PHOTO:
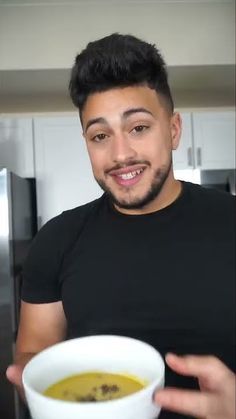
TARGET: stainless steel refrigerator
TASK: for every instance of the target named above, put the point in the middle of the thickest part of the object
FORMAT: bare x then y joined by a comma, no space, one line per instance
18,223
224,180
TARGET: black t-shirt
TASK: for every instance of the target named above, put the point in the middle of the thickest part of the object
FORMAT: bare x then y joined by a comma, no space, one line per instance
167,278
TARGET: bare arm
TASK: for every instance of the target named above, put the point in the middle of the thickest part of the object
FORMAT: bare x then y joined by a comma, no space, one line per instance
41,325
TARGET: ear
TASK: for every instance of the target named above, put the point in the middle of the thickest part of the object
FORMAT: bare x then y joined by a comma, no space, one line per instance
176,129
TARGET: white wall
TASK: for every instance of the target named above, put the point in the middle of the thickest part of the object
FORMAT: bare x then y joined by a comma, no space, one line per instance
49,36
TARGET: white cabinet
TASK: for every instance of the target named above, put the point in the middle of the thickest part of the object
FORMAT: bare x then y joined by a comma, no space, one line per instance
214,140
207,142
63,173
16,145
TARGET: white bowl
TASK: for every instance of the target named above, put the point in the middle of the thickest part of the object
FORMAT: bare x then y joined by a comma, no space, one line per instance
115,354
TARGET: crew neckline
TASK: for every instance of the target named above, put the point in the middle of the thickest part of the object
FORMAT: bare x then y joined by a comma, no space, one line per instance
163,211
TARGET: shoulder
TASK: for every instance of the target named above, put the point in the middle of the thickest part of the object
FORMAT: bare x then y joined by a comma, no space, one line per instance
65,227
47,252
211,204
74,217
209,196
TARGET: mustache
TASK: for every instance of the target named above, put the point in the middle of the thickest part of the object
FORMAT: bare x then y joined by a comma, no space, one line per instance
128,163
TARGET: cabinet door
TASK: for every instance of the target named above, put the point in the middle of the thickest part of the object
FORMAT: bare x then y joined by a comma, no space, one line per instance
214,140
16,145
183,156
63,173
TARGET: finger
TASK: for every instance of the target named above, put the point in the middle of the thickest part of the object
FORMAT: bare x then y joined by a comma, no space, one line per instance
207,368
183,401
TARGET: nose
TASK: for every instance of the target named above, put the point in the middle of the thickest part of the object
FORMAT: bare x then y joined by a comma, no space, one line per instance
121,149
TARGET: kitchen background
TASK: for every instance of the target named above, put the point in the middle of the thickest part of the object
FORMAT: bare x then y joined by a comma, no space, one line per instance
40,133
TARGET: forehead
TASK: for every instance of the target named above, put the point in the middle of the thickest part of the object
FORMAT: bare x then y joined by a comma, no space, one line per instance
117,101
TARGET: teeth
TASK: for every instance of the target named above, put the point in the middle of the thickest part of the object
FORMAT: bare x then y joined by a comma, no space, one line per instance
130,175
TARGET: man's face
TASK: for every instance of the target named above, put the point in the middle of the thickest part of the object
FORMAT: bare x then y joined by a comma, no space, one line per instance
130,135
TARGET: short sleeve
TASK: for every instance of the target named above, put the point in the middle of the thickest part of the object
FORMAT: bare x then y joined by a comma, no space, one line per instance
41,269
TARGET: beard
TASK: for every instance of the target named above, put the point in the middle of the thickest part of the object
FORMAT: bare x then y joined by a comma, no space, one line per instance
137,203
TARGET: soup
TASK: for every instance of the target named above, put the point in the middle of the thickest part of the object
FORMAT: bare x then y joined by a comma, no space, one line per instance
94,387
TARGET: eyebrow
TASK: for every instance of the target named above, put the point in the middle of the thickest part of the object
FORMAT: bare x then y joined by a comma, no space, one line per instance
125,115
95,121
132,111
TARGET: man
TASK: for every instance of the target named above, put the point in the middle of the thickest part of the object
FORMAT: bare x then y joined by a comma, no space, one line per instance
153,258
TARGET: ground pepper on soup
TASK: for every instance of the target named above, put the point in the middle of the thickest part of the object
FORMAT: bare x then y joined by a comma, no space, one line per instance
94,387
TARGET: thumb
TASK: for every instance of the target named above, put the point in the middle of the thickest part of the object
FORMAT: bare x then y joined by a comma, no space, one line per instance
14,374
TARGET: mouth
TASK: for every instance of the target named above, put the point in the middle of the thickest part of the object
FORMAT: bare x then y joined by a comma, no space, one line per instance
127,176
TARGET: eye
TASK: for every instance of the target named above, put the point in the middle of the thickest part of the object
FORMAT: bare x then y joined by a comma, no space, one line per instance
99,137
139,128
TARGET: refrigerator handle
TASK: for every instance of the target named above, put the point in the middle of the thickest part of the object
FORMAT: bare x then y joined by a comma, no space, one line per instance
199,156
190,156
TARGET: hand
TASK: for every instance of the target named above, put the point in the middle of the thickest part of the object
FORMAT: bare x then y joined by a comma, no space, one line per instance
216,400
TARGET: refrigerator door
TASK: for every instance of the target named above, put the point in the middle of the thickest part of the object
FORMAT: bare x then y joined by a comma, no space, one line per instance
7,396
17,228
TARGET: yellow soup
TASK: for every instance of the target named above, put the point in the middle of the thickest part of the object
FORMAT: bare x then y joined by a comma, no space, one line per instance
94,387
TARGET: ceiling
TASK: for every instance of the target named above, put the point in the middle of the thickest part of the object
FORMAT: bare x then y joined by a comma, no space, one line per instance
216,82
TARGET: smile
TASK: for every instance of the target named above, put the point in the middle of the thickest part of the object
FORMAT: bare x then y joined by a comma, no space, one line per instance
128,178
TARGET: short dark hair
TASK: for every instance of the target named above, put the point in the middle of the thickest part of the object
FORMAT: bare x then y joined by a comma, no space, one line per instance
118,61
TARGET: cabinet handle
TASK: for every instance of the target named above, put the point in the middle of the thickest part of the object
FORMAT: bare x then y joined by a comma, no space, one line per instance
199,156
190,156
